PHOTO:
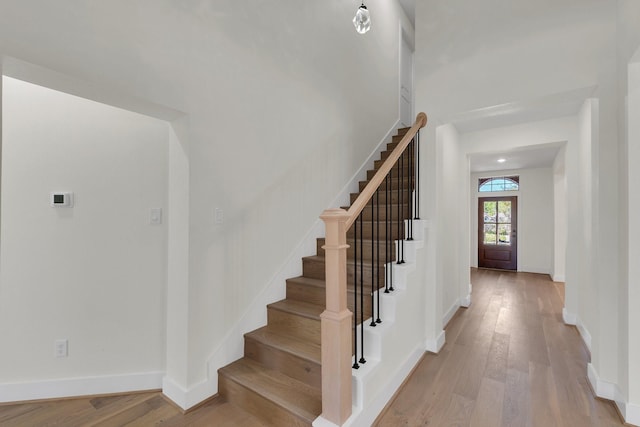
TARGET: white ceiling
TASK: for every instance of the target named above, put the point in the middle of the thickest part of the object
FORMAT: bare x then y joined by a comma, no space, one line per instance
538,156
513,113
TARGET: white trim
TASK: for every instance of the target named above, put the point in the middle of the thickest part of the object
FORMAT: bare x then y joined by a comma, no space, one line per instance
602,388
568,317
584,333
574,320
558,278
435,345
632,413
84,386
466,301
187,398
451,312
608,390
365,418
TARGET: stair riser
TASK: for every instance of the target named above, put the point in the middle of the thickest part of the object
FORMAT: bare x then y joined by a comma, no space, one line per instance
302,292
394,196
316,270
381,249
385,154
405,165
394,184
298,326
258,405
394,174
394,233
404,170
383,212
301,369
318,296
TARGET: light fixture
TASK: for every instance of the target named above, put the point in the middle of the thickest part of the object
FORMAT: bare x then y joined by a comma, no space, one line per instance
362,20
502,160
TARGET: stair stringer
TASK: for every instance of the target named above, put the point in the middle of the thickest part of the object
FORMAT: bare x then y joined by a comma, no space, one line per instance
395,346
255,316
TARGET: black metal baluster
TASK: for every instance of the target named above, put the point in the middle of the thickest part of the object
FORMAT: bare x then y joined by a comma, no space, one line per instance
410,192
373,270
417,160
399,202
362,360
390,242
401,210
377,258
387,231
355,294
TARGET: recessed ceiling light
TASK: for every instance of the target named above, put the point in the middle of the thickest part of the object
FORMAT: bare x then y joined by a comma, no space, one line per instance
502,160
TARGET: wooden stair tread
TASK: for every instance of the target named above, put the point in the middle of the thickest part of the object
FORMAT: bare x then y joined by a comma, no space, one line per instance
295,345
368,205
317,283
308,281
350,261
300,308
294,396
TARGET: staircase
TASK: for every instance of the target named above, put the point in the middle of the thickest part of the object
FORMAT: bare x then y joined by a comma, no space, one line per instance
279,378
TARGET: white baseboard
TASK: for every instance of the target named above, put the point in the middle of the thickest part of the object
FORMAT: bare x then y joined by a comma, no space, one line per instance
608,390
84,386
574,320
584,333
632,414
466,301
360,418
187,398
450,313
568,317
534,269
602,388
436,344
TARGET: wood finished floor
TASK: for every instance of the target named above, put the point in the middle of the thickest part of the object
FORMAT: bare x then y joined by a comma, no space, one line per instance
509,361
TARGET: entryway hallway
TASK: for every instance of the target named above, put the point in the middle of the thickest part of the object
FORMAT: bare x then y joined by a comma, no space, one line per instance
509,360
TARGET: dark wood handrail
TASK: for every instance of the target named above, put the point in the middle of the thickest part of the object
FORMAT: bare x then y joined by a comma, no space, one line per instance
365,195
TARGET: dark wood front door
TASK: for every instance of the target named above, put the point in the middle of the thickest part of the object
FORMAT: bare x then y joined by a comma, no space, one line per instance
497,232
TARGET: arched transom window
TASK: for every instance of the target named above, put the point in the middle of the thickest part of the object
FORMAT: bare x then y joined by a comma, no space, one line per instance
502,183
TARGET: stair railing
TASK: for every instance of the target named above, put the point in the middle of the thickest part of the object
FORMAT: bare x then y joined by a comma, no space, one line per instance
338,338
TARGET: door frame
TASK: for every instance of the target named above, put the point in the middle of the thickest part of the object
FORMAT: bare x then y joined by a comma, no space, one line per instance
514,231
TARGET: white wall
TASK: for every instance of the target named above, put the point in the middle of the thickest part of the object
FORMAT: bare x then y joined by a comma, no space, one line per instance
559,216
95,273
535,225
452,235
282,102
629,299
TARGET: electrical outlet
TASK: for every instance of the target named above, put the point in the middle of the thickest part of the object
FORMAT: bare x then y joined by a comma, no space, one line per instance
61,348
219,216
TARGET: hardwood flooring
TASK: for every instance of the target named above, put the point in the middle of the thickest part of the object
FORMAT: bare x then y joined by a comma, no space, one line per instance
509,361
140,409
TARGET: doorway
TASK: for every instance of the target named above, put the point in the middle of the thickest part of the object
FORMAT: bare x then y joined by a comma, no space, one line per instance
497,232
406,82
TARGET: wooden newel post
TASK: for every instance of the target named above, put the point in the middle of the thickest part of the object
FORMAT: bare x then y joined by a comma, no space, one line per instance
336,322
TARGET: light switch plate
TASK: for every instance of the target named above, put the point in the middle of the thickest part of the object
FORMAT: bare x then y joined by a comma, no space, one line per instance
155,216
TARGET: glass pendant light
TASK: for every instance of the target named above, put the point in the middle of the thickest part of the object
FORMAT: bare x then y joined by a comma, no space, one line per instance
362,20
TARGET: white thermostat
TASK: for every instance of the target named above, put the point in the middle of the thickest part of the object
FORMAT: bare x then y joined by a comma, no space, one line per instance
62,199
